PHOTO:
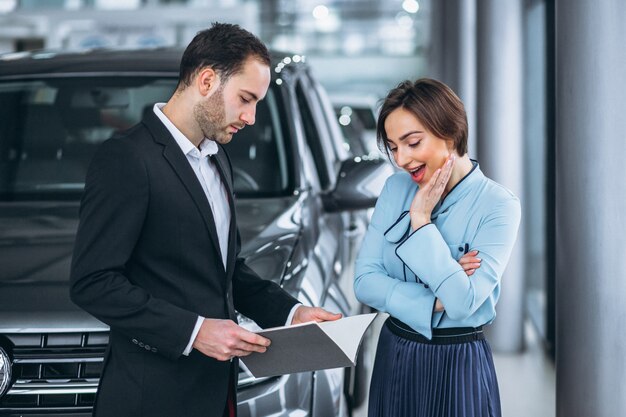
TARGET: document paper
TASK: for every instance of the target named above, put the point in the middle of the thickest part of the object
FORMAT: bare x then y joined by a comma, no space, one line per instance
310,346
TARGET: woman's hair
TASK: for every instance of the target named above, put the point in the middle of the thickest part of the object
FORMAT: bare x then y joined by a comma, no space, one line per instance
224,47
434,104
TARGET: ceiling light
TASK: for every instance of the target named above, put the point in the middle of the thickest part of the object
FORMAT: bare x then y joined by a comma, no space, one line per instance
7,6
410,6
404,20
320,12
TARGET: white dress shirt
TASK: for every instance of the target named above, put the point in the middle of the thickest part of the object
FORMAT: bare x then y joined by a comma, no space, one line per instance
215,192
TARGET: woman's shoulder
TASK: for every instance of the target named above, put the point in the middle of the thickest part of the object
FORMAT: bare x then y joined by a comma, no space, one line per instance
495,198
400,182
498,191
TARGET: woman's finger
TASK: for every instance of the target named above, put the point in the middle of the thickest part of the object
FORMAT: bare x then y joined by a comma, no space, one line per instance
469,259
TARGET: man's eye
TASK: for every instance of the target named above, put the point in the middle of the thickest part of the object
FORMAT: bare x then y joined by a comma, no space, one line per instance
244,100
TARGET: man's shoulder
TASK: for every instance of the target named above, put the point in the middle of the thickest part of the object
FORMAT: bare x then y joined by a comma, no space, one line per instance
138,131
134,137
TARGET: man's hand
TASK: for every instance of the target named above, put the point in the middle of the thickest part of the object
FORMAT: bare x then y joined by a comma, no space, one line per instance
223,340
305,314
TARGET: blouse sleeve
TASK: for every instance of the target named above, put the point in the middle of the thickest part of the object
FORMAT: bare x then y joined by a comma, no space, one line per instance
410,302
462,295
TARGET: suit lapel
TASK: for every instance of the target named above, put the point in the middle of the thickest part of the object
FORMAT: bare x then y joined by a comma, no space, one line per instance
223,166
177,159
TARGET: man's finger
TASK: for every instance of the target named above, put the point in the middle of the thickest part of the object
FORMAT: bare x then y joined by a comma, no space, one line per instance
248,348
253,338
323,315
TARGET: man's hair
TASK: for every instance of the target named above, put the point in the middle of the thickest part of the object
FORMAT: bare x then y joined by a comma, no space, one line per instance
224,47
434,104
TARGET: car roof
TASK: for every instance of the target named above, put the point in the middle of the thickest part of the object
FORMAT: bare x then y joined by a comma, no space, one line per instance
153,61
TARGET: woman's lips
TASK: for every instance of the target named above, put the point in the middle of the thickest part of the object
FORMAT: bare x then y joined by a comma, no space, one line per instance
418,175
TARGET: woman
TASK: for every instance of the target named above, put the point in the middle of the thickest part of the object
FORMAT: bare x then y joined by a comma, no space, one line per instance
433,256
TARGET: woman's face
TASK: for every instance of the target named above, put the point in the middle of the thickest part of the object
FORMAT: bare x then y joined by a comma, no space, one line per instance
415,149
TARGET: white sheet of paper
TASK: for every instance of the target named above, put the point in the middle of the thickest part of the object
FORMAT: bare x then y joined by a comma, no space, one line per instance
346,331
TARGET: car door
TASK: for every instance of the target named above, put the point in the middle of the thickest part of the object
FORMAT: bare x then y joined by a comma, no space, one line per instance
329,255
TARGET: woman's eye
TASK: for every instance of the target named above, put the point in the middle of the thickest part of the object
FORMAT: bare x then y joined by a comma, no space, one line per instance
394,150
414,144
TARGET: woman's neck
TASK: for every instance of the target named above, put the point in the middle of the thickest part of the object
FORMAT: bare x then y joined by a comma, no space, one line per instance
462,167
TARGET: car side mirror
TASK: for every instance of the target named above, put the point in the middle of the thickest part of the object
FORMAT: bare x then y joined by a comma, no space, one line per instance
359,183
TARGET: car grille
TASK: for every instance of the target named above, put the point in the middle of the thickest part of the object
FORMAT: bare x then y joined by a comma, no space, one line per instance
59,372
55,371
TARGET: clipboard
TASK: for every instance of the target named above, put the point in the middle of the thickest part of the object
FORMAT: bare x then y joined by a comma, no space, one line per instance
310,346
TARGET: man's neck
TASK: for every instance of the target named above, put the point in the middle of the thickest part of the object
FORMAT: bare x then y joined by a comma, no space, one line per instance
180,113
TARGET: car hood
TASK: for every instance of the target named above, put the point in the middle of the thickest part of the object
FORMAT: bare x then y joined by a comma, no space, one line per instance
36,241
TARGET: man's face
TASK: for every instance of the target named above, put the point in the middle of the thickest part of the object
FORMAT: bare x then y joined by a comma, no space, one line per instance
232,105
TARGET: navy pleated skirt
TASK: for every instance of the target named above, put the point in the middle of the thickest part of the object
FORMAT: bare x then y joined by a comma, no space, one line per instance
451,376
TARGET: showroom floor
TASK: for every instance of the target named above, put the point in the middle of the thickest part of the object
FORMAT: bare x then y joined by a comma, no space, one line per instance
527,380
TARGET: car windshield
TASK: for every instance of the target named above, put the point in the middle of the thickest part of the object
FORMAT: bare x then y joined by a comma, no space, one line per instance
50,128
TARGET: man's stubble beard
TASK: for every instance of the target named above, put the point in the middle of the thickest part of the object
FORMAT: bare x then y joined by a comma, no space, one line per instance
210,115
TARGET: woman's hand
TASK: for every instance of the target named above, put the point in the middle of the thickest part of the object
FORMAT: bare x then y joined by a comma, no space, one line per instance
470,262
429,195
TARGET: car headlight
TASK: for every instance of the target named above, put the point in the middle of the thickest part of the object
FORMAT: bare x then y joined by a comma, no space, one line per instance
5,371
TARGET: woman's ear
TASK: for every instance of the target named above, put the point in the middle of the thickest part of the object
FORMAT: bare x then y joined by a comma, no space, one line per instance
207,80
450,145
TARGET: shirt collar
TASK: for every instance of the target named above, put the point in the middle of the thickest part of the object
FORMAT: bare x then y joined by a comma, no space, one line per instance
466,185
207,147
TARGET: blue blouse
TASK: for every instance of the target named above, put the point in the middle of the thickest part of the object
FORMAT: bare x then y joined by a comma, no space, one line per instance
402,272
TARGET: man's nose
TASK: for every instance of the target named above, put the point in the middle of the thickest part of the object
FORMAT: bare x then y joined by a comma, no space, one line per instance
248,117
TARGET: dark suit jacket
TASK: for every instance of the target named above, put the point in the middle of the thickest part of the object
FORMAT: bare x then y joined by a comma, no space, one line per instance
146,262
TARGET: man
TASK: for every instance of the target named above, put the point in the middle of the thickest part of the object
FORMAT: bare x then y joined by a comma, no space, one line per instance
156,255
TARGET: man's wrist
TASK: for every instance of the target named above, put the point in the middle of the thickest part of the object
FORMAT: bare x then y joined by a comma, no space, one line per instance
194,334
292,313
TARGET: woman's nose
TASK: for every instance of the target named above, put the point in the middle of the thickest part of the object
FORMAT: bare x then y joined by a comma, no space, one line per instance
402,157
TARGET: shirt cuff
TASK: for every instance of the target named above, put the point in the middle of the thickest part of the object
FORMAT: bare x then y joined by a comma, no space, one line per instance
291,314
196,329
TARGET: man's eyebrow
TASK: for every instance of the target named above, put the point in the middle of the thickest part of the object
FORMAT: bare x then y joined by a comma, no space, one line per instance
254,96
406,135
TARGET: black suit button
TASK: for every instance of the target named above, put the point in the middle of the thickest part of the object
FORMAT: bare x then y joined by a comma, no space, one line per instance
141,344
147,347
134,341
154,350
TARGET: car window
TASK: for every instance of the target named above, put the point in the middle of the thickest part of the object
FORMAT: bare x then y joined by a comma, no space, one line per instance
367,116
330,121
259,153
352,130
50,129
315,138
